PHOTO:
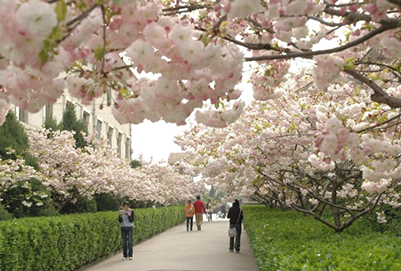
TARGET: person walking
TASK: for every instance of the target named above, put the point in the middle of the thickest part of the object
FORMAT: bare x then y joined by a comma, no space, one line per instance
236,216
199,209
126,218
224,210
209,209
189,213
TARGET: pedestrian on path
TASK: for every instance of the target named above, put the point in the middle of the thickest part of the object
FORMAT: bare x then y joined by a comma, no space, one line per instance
126,218
199,209
224,210
236,216
189,212
209,209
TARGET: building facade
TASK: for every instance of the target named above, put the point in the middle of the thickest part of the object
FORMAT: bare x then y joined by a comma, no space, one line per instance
98,120
176,157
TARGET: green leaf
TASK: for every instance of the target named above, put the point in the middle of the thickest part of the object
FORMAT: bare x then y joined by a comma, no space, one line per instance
349,67
99,53
43,56
206,39
349,60
61,10
124,91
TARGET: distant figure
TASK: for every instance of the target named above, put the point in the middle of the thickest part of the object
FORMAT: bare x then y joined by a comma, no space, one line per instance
236,216
126,218
209,209
199,207
223,210
189,213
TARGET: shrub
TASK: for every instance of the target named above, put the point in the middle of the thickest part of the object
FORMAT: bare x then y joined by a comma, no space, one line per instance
83,205
285,240
33,190
393,217
13,136
68,242
4,214
70,122
107,202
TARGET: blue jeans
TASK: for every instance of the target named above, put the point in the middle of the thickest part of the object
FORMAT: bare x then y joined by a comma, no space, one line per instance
127,233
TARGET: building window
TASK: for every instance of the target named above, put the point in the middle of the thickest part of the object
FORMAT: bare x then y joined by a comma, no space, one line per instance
99,128
49,111
86,117
110,136
119,138
128,149
23,115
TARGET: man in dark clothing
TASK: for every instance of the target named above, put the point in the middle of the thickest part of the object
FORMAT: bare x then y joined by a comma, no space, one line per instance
236,216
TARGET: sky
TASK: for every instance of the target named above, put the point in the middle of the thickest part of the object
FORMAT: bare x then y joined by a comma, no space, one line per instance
155,140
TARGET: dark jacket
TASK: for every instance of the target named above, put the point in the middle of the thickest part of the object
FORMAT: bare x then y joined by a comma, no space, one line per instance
233,214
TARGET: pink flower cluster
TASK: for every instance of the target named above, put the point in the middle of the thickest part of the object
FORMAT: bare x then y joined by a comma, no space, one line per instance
98,169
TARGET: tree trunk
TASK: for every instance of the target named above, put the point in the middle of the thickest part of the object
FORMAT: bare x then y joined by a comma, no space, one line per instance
336,211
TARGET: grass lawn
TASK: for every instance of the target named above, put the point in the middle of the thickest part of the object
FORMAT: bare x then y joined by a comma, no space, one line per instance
289,241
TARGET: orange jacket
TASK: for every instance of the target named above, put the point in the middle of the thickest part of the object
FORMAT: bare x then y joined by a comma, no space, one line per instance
189,210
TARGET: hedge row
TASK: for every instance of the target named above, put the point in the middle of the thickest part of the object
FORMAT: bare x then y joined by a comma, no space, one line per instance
285,240
71,241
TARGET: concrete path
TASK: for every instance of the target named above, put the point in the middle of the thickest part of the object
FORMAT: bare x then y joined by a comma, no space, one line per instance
179,250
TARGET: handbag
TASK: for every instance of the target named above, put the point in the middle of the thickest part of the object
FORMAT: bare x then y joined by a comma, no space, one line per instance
232,232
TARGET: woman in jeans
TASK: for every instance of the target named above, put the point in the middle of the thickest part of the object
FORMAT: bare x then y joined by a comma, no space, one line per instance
126,219
236,216
189,213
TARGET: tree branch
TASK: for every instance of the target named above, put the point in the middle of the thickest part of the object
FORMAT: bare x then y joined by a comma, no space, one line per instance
183,9
320,20
315,216
104,37
251,46
217,25
394,71
82,16
310,54
122,67
377,126
355,17
395,2
379,95
342,5
76,21
367,210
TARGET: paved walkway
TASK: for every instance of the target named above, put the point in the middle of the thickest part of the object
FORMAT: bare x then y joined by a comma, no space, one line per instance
179,250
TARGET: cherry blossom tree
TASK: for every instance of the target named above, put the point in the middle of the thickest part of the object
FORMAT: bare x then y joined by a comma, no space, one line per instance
72,172
168,186
15,171
15,174
46,41
346,93
194,48
298,152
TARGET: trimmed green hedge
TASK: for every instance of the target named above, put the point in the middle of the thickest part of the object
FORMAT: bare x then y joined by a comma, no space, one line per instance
69,242
286,240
